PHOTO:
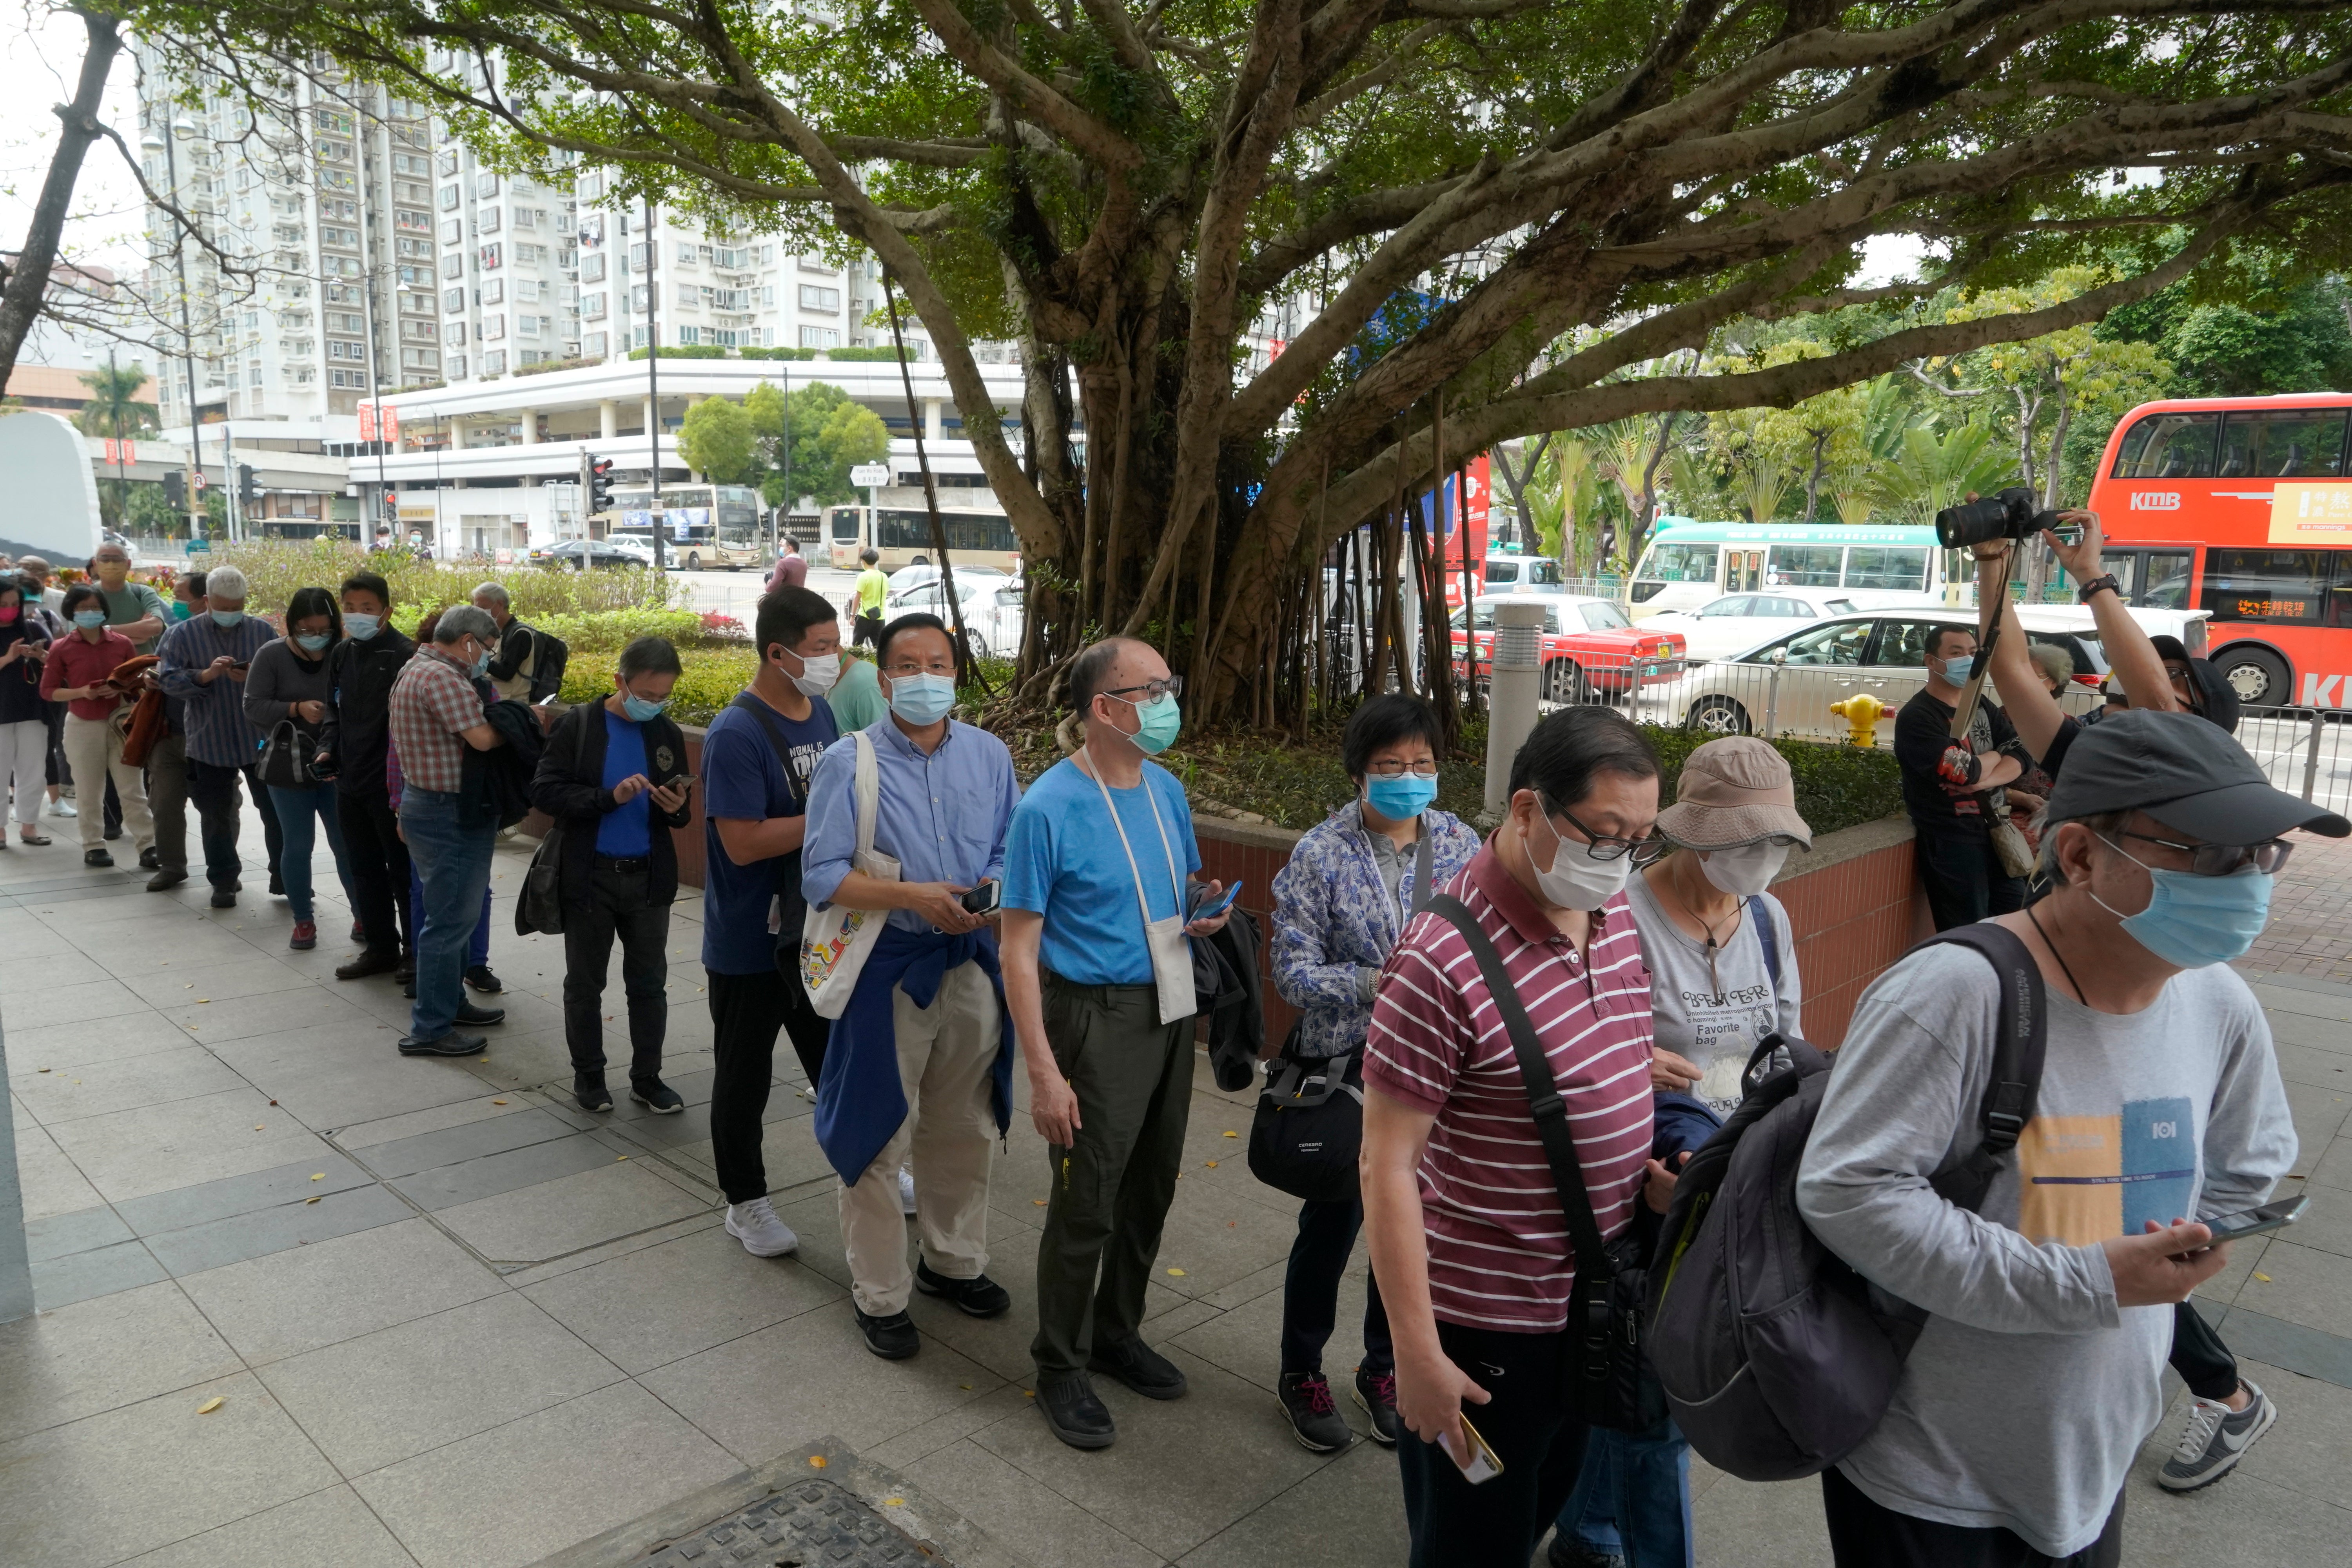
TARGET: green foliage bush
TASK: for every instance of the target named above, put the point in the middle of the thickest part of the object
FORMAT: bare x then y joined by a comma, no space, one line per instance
610,631
1837,785
275,568
713,675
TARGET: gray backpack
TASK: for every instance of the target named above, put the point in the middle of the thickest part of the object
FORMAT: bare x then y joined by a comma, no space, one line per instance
1777,1358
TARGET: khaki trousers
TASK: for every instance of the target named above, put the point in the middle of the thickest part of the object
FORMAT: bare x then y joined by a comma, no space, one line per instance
94,752
945,1054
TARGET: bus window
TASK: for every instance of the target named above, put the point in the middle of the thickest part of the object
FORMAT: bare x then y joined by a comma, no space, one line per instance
2287,443
2168,447
1899,571
1676,563
845,525
2163,581
2276,587
1805,565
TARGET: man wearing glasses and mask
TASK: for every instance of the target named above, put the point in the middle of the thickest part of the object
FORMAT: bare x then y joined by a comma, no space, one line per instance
1097,890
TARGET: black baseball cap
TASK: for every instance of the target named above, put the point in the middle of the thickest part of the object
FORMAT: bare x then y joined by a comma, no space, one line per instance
2185,773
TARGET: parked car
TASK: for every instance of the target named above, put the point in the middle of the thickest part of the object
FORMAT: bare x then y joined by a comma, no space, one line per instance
1785,684
580,555
1738,621
1589,647
1523,574
991,609
907,579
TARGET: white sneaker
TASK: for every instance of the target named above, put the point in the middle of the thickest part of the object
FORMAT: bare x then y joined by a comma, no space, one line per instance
906,1190
62,808
755,1225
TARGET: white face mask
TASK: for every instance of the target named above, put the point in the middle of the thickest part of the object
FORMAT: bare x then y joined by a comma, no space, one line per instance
1747,870
1576,880
818,674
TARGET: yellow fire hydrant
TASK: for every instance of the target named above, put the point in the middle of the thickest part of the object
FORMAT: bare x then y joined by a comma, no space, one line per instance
1862,713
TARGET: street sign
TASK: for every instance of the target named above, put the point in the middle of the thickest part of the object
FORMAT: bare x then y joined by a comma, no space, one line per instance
867,476
199,481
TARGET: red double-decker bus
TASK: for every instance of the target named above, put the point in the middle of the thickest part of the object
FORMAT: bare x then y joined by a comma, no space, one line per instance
2241,506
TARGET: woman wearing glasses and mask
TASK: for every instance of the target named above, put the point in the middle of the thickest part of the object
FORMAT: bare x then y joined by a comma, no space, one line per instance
1723,975
1468,1231
1338,905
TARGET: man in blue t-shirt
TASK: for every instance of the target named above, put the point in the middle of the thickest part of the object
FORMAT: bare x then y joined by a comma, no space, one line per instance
756,760
1099,979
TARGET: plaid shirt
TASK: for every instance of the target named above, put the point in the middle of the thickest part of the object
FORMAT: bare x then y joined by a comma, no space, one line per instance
432,700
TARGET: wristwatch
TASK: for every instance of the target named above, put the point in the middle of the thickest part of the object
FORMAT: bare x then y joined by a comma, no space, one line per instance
2105,580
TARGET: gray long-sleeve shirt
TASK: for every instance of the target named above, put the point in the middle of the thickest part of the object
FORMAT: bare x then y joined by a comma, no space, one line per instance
280,678
2030,1391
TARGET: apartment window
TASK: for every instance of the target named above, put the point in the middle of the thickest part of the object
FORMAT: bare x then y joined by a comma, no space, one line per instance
689,334
453,231
411,163
767,293
339,180
453,300
492,257
767,256
820,338
410,191
532,326
335,152
592,306
420,276
637,256
591,184
592,269
453,265
454,333
447,160
455,366
345,266
686,254
596,345
489,220
493,292
357,378
332,119
421,223
527,290
406,246
450,196
530,255
827,301
486,184
493,327
638,297
729,298
346,321
494,361
566,257
529,217
563,223
422,329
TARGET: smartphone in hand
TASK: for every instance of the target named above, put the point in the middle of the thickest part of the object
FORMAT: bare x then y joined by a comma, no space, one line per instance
1480,1465
1211,908
982,899
2243,1223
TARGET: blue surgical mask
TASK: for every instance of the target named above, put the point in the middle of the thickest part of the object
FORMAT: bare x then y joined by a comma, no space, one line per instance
2197,921
1957,670
1161,719
226,619
481,663
1406,795
638,711
922,698
311,642
360,627
179,608
89,620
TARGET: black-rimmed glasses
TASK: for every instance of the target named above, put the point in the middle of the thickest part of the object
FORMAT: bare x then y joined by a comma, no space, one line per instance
2224,859
1390,768
1153,690
1645,851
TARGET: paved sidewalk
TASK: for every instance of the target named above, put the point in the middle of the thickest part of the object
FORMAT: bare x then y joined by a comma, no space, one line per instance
454,1321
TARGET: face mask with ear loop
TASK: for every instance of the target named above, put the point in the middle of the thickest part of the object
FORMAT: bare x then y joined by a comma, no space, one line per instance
2193,921
1576,880
1744,869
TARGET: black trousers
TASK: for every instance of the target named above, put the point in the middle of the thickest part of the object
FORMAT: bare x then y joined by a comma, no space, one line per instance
746,1011
865,630
1862,1534
1527,1423
379,866
615,905
1963,877
218,811
1311,1291
2201,1358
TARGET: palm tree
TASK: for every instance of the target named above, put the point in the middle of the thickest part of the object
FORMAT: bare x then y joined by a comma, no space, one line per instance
112,409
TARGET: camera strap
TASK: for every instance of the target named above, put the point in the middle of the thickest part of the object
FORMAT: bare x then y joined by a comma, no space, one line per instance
1992,596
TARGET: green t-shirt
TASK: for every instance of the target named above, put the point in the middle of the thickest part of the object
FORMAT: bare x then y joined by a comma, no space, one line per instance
873,589
857,698
136,602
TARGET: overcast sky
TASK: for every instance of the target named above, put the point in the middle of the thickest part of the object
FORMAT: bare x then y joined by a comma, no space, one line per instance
40,61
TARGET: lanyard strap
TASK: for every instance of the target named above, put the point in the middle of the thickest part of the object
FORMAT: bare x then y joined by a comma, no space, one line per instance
1142,907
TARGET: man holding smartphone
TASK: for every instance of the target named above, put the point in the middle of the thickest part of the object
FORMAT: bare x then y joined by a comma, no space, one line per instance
921,1060
2159,1101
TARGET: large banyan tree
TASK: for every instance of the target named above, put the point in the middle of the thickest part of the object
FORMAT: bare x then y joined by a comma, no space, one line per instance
1477,217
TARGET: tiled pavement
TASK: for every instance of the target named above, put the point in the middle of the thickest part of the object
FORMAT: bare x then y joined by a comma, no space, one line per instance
2310,931
453,1321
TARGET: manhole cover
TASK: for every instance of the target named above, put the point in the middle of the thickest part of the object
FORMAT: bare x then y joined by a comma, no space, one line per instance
811,1523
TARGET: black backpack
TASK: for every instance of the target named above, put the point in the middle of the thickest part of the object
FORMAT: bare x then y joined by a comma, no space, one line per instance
548,654
1776,1360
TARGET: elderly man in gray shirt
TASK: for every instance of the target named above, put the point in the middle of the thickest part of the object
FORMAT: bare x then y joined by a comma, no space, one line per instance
205,662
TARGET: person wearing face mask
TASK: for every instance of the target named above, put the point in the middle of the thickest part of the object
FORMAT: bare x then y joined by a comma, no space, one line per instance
1099,865
1953,790
615,777
206,660
919,1063
756,759
78,673
1351,884
361,669
856,699
167,759
287,683
435,716
2158,1102
24,718
1468,1232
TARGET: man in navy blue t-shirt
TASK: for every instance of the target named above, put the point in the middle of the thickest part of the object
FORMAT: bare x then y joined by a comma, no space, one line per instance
756,758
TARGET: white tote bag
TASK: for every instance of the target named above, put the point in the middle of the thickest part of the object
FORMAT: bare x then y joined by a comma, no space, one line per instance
835,939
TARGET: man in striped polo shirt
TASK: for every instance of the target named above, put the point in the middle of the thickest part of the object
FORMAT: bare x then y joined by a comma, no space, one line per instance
1467,1237
205,662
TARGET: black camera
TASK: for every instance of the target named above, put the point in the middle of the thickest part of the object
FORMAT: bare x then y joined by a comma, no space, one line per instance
2009,514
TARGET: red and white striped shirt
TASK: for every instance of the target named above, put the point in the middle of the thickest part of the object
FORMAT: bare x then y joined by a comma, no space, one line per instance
1498,1251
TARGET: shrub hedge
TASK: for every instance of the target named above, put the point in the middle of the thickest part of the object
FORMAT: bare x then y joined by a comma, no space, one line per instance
277,567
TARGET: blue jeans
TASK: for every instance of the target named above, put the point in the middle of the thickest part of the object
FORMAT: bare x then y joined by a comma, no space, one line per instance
454,861
1633,1497
299,812
478,946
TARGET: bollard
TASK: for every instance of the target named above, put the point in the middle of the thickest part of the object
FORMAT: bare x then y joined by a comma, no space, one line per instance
1518,673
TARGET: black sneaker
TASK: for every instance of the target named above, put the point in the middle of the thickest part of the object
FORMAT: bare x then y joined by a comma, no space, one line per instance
1376,1392
1076,1416
165,879
656,1097
277,885
406,969
151,858
480,978
1139,1367
480,1017
1315,1421
894,1338
224,898
98,858
978,1296
1565,1554
452,1044
591,1094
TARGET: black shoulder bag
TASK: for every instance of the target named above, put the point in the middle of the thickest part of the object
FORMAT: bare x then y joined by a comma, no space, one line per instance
1604,1380
1308,1126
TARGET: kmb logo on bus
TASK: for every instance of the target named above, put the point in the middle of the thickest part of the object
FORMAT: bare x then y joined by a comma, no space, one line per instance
2320,692
2156,500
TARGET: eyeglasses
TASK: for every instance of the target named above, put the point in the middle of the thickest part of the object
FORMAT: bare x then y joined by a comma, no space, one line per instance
1390,768
2222,859
1645,851
1154,690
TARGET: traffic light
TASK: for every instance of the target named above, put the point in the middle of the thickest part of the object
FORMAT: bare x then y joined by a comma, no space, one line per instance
176,490
600,485
248,492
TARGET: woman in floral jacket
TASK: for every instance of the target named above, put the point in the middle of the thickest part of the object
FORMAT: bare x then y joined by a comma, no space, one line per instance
1338,907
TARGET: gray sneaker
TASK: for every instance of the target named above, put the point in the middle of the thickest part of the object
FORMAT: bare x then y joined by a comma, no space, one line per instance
2217,1439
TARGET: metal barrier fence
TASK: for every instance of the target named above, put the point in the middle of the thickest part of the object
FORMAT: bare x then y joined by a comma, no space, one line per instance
2306,751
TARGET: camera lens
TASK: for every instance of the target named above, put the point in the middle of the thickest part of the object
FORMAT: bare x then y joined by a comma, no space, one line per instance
1973,522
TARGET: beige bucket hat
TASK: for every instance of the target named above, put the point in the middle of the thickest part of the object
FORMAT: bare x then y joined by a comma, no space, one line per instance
1734,791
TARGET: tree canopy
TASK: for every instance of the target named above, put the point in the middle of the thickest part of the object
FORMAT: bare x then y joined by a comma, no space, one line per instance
1423,199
